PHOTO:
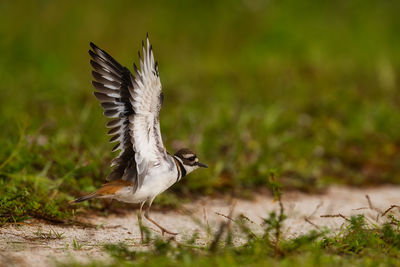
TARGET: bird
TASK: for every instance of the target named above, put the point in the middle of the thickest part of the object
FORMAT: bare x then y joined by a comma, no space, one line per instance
143,168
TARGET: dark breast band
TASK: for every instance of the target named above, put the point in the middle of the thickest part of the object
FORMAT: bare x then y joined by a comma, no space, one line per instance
180,168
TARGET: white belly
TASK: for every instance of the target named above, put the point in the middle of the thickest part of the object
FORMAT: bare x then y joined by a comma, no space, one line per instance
154,183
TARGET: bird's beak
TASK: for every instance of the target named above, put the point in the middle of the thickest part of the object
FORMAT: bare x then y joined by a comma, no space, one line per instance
201,165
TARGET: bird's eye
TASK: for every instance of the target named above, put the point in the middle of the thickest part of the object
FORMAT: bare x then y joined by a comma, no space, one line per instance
192,158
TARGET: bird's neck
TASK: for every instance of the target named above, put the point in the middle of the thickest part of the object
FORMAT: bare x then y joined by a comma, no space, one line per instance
179,166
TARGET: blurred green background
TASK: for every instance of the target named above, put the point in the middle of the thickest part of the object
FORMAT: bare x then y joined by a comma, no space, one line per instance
306,89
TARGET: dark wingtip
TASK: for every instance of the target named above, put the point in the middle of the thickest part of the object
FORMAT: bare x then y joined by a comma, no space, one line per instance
93,55
95,75
92,45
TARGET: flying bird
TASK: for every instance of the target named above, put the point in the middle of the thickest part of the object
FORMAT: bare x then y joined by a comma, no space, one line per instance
143,168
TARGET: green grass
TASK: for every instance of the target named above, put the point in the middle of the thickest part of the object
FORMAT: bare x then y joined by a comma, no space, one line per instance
359,243
309,90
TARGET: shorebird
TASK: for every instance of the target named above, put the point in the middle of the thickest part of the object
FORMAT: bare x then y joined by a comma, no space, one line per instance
143,169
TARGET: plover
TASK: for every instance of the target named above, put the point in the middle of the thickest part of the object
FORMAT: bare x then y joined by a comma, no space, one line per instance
143,169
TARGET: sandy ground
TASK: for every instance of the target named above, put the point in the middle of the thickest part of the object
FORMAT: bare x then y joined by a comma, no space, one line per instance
38,244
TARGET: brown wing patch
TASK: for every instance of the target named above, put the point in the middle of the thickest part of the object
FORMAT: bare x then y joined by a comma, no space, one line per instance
105,190
112,187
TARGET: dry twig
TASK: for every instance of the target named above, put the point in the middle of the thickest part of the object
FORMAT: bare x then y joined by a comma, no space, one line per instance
335,216
389,209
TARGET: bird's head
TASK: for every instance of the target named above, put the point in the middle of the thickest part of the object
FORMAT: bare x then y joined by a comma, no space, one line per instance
189,160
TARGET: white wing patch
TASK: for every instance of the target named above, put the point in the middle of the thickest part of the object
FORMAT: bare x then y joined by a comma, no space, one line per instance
147,86
146,100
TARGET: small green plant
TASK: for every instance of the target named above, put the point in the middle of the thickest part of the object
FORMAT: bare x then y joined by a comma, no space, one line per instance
57,235
51,234
76,244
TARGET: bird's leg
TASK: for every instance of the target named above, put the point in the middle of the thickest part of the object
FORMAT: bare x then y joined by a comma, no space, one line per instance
140,220
147,216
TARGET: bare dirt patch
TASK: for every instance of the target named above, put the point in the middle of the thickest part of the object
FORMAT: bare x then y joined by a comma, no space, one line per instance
38,244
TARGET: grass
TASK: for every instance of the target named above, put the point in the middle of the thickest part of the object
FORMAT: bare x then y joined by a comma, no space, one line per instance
52,234
358,243
309,90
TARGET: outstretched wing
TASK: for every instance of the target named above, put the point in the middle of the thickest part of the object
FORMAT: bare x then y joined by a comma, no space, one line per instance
144,124
134,104
113,83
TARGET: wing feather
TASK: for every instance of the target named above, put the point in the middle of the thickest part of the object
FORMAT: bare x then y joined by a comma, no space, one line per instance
112,82
134,103
146,100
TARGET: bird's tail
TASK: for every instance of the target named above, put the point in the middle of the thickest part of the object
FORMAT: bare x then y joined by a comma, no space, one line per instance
106,191
83,198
